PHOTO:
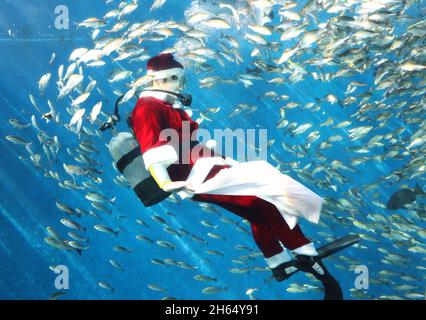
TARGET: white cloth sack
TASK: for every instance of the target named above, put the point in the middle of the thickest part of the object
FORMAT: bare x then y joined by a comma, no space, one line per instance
261,179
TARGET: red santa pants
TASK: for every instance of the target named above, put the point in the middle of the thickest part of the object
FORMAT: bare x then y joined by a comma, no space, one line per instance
267,224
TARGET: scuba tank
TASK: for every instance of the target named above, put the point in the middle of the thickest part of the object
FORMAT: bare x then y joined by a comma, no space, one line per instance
127,156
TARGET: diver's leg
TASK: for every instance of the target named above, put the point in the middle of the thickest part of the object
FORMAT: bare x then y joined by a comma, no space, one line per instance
245,207
293,239
273,252
302,247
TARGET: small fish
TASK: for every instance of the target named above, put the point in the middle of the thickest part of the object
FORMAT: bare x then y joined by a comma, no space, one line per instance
301,129
141,222
198,239
415,295
208,224
56,243
197,17
155,287
216,23
215,252
80,99
105,285
157,4
18,125
96,197
128,9
92,23
121,249
171,231
76,236
105,229
56,295
72,224
417,249
33,102
158,219
412,66
116,265
128,95
186,266
266,31
240,270
215,236
77,116
405,287
99,206
165,244
74,170
18,140
296,290
213,290
73,81
242,247
52,58
53,233
157,261
43,82
171,262
67,209
120,75
76,245
250,292
200,277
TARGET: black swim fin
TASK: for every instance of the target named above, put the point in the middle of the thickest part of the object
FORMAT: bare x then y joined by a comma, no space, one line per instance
315,266
337,245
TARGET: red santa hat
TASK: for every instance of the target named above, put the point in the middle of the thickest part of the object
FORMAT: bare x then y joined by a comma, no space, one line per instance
164,66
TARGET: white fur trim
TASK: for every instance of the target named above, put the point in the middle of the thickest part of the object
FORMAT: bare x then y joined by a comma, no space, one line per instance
165,154
163,74
200,170
231,162
306,250
163,96
278,259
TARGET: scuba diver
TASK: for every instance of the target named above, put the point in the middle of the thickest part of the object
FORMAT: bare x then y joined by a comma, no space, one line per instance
256,191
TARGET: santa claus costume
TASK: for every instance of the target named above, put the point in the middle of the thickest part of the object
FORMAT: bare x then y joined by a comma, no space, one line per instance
256,191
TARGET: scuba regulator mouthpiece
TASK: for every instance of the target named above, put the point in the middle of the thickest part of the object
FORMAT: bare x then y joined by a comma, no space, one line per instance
112,121
185,99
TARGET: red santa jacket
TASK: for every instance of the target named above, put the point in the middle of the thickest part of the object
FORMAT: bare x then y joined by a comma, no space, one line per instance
151,115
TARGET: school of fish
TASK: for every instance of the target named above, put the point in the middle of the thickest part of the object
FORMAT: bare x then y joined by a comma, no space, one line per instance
316,42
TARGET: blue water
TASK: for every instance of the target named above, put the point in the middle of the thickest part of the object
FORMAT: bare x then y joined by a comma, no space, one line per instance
28,39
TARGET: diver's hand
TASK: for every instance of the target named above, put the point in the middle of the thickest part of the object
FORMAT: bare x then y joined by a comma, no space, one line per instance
176,186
